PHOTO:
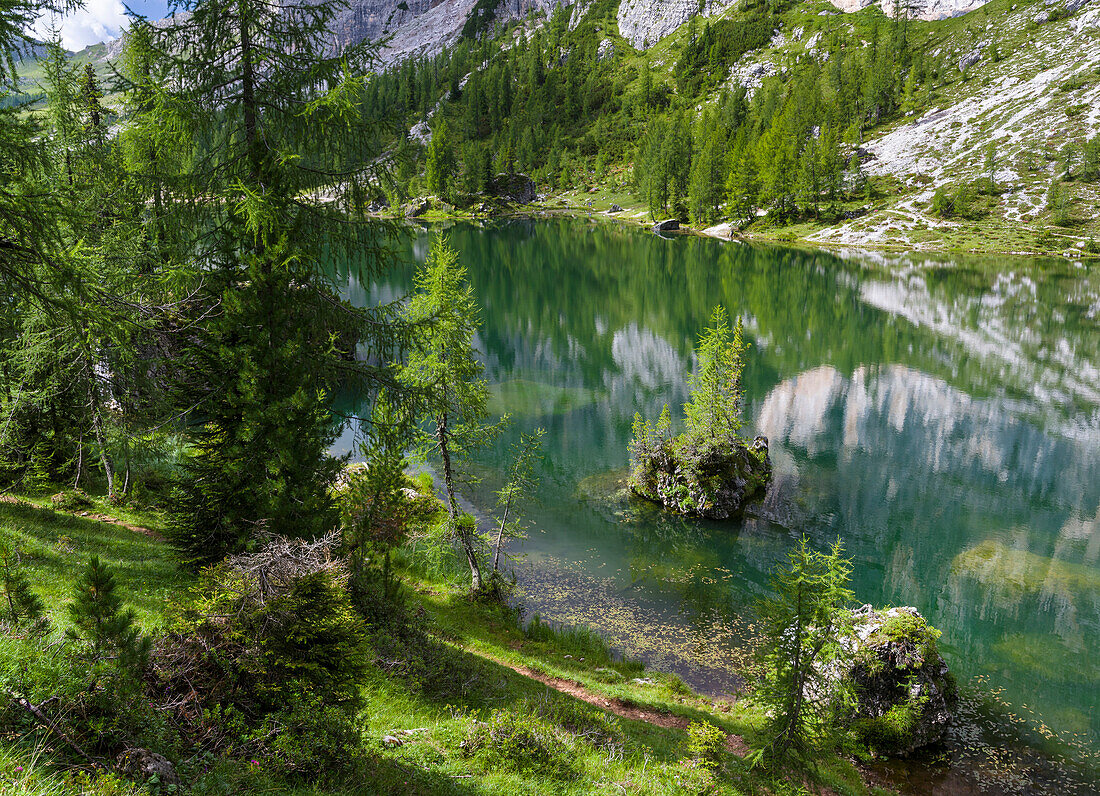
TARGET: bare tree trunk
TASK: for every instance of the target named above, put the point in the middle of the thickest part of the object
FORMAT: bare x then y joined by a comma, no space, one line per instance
452,502
445,455
79,461
500,534
101,440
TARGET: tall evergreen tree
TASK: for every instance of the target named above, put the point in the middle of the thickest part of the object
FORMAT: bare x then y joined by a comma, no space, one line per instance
441,161
257,119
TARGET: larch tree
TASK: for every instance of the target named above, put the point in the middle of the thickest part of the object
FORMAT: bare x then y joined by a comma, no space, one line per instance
444,370
803,621
713,412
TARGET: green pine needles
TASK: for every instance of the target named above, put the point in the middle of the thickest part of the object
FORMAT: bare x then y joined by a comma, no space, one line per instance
102,623
713,414
714,411
707,470
803,624
443,369
20,605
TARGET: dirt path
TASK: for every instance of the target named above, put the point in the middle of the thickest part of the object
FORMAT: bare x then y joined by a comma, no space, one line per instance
86,515
620,707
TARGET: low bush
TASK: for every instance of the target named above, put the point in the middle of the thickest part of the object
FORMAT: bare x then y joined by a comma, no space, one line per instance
521,742
706,744
71,500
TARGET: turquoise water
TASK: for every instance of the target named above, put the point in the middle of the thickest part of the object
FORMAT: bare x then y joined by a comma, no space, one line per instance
939,414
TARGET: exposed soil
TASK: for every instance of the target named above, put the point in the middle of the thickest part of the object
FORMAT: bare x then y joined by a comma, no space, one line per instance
620,707
86,515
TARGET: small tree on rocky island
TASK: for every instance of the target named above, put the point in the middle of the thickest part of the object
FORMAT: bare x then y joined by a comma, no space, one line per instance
803,625
708,470
714,411
443,369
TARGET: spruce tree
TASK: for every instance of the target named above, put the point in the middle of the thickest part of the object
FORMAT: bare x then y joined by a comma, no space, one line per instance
440,164
708,180
256,121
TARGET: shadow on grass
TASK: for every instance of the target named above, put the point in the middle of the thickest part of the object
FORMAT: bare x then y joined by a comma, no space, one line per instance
55,548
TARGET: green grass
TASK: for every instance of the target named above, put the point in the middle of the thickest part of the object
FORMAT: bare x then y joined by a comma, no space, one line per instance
479,727
55,547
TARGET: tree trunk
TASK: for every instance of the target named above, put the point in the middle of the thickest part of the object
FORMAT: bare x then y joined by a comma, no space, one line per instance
101,440
500,534
452,501
79,461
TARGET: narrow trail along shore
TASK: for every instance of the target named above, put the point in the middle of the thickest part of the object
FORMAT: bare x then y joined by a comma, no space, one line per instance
85,515
620,707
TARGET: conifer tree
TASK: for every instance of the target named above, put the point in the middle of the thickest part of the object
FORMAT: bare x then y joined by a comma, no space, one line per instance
22,605
444,370
517,489
743,186
713,412
708,181
804,621
256,120
100,620
440,163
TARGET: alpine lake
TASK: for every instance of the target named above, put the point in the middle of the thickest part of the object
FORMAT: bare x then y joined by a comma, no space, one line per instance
940,414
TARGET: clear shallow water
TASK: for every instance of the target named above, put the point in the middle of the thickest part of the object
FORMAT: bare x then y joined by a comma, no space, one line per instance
941,415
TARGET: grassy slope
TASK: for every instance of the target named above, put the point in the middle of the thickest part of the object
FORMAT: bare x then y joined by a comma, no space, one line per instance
485,648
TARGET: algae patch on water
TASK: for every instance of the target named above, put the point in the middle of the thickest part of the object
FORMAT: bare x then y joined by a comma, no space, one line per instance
528,398
997,565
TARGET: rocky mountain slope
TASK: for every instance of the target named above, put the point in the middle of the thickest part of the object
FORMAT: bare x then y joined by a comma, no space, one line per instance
1024,84
423,27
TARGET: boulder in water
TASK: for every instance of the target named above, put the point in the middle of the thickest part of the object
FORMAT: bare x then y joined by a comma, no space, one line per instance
904,692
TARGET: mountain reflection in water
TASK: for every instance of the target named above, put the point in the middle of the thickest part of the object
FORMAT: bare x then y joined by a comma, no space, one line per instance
940,415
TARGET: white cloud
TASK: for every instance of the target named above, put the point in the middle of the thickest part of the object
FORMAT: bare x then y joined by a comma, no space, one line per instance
96,21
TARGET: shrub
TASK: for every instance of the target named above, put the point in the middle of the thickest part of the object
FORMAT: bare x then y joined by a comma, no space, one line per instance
706,743
521,742
264,626
309,737
71,500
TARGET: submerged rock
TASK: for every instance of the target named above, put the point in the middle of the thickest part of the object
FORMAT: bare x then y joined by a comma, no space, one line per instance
713,482
904,692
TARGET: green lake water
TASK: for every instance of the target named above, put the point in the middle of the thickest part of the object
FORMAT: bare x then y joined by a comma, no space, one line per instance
940,414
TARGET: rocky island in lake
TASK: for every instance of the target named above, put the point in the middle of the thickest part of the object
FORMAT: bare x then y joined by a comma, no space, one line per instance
709,470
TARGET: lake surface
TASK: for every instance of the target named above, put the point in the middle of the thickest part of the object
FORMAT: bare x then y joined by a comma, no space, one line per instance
939,414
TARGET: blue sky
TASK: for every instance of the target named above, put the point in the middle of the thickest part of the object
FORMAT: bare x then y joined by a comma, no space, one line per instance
98,20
